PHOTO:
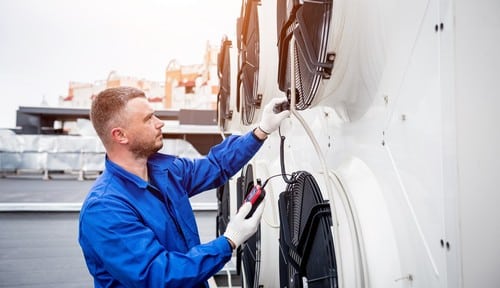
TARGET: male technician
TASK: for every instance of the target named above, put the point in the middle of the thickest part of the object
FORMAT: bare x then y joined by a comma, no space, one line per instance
137,227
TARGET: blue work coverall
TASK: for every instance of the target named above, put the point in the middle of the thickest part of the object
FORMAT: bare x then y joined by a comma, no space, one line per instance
132,239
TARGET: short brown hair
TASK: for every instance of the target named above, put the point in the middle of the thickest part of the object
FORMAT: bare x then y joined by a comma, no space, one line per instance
107,107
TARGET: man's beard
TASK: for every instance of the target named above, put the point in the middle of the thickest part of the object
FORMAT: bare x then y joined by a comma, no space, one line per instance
144,149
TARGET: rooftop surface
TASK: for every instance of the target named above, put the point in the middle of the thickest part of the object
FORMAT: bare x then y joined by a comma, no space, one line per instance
39,235
61,188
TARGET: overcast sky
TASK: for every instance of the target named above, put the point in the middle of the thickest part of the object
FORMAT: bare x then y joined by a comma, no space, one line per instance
45,44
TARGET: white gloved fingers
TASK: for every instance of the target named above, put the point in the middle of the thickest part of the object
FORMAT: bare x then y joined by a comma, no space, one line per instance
243,211
275,101
239,229
270,121
283,115
257,215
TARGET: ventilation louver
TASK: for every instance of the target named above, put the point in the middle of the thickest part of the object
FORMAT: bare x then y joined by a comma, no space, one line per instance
307,256
308,22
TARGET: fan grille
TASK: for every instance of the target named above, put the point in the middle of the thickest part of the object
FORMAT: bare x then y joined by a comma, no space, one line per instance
223,212
309,23
224,72
249,46
308,255
249,252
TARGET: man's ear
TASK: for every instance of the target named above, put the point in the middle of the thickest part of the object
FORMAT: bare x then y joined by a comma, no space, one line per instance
119,135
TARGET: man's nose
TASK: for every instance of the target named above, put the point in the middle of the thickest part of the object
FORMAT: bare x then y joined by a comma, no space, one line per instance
159,123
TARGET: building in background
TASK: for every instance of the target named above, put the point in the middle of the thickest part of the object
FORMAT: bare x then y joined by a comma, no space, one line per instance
80,95
193,86
186,101
185,87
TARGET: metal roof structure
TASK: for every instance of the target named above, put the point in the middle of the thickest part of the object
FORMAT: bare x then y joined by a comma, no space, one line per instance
196,126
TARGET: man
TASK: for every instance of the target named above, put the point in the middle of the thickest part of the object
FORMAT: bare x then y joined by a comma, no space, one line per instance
137,227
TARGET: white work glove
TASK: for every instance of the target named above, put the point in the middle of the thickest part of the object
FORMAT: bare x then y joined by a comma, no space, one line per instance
270,121
239,229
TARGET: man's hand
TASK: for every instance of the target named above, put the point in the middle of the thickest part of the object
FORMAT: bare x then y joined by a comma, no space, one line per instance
239,229
270,121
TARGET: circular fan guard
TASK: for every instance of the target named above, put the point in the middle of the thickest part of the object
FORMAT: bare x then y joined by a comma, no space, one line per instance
249,253
248,47
309,23
224,72
307,255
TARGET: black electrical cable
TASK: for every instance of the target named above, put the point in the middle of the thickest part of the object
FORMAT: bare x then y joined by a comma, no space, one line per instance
282,159
271,177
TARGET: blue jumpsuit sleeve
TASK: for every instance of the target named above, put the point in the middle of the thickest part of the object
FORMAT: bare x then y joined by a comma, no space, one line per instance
223,161
130,252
